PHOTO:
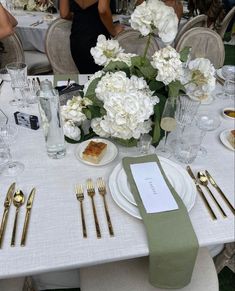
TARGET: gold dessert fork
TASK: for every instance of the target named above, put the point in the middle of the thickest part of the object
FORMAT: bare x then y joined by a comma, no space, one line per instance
80,198
91,193
102,190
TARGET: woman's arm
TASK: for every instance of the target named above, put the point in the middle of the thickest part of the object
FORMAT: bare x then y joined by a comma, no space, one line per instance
65,12
106,18
7,22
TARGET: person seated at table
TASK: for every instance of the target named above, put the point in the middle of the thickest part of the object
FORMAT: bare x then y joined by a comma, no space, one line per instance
90,18
7,23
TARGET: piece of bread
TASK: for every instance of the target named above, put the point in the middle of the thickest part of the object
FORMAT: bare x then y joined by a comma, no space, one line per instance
231,138
94,152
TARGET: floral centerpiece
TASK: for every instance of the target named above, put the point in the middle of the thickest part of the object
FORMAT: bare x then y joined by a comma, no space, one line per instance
33,5
126,98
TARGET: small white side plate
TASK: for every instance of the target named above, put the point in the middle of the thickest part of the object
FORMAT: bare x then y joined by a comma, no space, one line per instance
227,116
224,139
109,156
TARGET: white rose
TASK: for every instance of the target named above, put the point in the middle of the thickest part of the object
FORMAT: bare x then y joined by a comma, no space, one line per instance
71,130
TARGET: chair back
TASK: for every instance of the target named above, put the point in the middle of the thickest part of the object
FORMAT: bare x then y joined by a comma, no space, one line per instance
197,21
13,50
204,43
132,42
224,24
58,47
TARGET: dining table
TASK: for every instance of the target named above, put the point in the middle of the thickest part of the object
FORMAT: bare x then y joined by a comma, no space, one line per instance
55,239
32,28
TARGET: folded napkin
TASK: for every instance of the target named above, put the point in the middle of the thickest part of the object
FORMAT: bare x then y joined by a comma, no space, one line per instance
172,242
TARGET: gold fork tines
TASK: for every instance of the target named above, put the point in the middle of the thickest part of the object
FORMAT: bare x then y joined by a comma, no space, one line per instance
80,198
91,193
102,190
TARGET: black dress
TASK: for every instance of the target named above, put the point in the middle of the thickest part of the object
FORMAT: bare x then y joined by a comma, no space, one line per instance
86,28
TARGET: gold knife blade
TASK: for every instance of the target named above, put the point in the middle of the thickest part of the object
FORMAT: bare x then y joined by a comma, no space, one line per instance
27,216
214,184
211,212
7,204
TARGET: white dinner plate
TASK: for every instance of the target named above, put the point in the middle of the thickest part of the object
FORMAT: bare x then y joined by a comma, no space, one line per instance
224,139
219,74
123,203
170,170
109,156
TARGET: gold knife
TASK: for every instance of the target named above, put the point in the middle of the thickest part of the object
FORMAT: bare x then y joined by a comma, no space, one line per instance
27,216
213,183
212,214
7,204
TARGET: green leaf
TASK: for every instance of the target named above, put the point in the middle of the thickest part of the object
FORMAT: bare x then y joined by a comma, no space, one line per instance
184,54
117,66
91,89
126,142
175,88
155,85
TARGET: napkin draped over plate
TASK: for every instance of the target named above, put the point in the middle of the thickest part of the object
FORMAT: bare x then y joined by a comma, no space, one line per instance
173,245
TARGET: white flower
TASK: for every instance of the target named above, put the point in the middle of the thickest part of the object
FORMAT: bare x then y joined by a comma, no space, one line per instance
167,62
154,16
31,5
71,130
105,50
199,78
128,103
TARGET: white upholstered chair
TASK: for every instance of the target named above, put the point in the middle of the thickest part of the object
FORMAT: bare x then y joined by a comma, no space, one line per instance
133,275
197,21
58,47
37,63
132,42
205,43
224,24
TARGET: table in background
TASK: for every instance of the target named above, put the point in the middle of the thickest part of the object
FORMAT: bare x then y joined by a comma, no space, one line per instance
55,239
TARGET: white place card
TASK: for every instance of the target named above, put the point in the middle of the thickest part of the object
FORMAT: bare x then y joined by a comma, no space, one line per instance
153,190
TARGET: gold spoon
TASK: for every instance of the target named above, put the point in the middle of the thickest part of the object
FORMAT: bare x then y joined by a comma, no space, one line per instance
204,181
18,200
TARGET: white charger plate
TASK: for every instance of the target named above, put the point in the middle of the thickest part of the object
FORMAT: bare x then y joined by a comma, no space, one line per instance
109,156
224,139
123,203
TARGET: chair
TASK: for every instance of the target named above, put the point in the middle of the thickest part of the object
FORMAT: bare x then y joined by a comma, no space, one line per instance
13,50
132,42
205,43
224,25
197,21
37,63
226,258
15,284
133,275
58,47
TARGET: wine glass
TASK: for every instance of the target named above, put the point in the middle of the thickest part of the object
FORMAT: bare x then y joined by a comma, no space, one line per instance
11,168
18,74
206,121
228,72
168,124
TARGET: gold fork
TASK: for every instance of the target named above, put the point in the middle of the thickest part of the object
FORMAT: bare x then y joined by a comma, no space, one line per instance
102,190
91,192
80,198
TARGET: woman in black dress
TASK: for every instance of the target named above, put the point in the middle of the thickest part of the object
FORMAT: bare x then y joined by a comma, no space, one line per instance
90,18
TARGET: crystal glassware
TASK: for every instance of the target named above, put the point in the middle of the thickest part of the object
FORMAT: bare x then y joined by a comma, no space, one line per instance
18,74
144,143
228,89
168,124
206,121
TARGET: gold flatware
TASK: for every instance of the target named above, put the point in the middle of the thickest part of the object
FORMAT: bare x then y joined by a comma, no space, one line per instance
204,181
80,198
91,193
211,212
102,190
7,204
18,200
213,183
27,216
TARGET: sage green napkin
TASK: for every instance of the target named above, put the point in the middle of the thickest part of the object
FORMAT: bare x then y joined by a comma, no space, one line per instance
172,242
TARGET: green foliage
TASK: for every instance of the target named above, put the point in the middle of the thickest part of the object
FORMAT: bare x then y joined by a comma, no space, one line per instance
126,142
142,67
184,54
117,66
175,88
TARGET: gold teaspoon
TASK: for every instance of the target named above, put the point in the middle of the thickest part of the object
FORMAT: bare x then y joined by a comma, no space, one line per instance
18,200
204,181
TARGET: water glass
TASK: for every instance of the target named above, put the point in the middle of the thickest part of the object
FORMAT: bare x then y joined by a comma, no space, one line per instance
229,88
18,74
144,143
188,145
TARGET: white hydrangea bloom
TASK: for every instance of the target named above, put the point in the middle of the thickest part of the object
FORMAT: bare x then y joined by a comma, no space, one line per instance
167,62
199,78
105,50
128,103
155,17
71,130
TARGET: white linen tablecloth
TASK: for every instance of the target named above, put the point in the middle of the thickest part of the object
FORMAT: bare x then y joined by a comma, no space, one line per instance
55,239
32,38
